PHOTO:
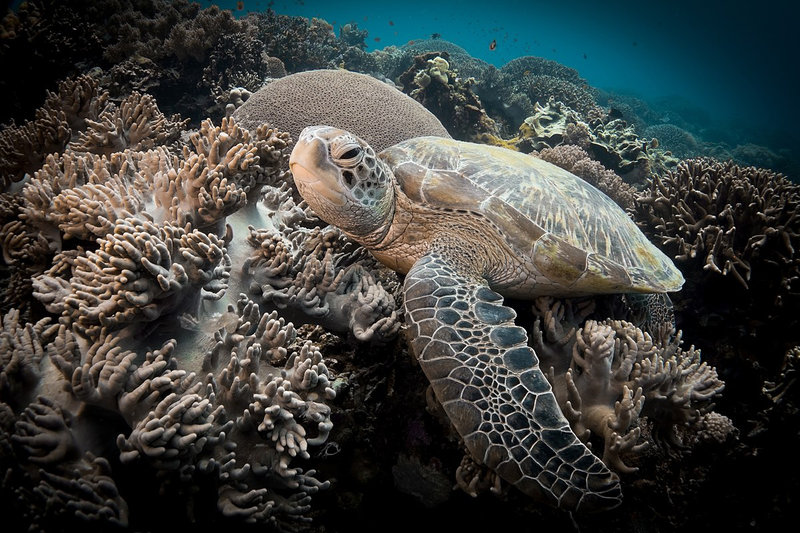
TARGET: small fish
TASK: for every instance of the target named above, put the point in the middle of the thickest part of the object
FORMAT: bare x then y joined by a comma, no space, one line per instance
634,43
377,39
239,5
391,23
526,72
493,44
584,56
436,35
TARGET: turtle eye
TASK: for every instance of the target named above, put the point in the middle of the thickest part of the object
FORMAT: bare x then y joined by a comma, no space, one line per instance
348,155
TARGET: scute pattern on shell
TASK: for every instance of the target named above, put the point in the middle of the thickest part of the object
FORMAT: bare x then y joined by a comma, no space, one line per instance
553,199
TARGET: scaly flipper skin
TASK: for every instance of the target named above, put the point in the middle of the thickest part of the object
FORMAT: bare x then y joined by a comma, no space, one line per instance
488,380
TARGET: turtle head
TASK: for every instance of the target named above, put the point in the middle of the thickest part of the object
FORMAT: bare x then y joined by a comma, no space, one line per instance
343,181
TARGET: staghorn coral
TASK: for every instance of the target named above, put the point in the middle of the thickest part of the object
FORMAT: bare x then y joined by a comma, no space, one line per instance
432,82
339,98
608,374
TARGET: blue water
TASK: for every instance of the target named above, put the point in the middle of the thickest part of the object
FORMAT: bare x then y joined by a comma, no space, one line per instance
734,63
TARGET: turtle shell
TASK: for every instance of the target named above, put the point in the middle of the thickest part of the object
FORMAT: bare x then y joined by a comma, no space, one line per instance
541,209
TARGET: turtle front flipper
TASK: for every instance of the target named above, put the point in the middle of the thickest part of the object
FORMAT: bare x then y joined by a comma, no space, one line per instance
489,383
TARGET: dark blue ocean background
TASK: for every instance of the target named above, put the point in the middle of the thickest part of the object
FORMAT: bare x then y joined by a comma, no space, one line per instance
725,70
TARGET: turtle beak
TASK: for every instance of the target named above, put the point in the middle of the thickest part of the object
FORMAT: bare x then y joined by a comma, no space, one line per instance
314,174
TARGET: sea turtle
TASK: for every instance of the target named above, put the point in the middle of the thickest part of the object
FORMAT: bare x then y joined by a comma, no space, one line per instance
468,224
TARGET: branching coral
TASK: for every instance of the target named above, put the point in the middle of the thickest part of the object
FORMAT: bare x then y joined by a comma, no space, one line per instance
733,219
301,44
237,60
139,273
606,375
193,38
137,123
22,346
298,263
734,232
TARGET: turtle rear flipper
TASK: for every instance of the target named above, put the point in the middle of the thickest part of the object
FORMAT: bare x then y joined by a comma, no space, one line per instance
489,383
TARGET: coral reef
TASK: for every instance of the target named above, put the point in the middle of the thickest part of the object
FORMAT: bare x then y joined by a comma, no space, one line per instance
670,137
432,82
301,44
617,146
607,374
155,383
298,262
734,233
150,263
348,100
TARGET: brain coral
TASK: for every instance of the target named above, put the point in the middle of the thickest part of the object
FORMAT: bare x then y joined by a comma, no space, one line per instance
348,100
